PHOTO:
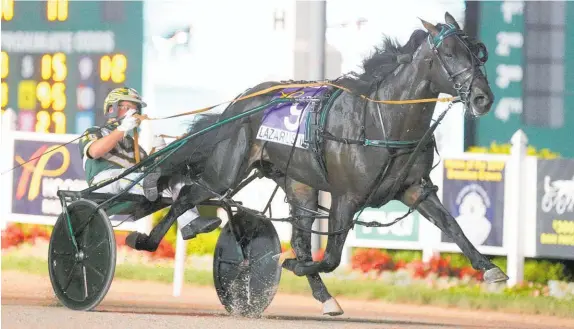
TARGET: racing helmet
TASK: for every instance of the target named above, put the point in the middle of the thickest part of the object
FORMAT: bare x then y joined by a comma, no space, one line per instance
117,95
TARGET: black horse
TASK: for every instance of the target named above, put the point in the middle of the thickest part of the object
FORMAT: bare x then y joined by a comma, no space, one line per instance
364,153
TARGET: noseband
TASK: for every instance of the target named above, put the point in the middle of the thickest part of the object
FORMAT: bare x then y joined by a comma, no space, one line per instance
479,56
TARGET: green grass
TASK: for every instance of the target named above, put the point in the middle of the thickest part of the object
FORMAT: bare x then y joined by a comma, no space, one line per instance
464,298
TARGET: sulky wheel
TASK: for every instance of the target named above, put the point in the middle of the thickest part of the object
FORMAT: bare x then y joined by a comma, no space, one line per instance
81,277
245,274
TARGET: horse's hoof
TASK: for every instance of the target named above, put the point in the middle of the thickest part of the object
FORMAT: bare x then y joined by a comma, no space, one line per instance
131,240
331,307
494,275
139,241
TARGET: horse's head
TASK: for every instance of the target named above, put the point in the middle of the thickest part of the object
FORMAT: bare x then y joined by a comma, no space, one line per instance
455,65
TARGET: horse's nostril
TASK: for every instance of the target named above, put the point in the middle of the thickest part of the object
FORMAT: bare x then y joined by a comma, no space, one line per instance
480,100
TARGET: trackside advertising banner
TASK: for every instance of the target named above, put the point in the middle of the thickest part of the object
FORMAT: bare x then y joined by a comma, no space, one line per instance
473,192
555,215
405,230
34,185
45,165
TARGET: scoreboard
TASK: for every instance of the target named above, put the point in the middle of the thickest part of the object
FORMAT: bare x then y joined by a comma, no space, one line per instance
60,58
531,72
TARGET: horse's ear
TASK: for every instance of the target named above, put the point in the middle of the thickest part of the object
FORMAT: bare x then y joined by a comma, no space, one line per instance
431,28
450,20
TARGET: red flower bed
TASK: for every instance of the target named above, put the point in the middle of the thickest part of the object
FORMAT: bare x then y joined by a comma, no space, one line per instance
16,234
372,260
365,260
377,260
317,256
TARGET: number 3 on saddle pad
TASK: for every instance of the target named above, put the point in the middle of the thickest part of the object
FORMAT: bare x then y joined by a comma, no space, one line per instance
286,123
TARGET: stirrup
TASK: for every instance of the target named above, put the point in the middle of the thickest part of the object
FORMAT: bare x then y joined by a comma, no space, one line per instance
149,184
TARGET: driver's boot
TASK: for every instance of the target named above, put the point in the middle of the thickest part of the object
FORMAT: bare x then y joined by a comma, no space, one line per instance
149,184
199,225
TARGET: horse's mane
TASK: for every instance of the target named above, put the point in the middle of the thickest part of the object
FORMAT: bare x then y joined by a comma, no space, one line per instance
200,122
382,62
376,67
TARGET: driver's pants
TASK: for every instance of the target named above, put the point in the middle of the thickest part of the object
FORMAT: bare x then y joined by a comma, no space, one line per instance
172,191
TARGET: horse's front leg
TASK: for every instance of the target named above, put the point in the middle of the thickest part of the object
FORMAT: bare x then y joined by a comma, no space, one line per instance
340,221
433,210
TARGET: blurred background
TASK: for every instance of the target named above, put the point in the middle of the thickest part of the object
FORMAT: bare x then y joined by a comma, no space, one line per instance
60,58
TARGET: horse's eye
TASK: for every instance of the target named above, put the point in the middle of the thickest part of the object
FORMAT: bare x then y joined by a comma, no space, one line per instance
449,55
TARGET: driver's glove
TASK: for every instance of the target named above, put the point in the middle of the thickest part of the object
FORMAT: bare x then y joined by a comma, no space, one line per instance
129,122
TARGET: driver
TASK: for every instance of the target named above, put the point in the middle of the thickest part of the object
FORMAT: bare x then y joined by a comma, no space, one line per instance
107,152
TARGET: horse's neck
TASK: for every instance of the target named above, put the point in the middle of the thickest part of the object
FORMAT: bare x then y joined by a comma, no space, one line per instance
408,82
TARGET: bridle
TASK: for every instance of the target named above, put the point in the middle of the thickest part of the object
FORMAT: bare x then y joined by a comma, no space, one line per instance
479,56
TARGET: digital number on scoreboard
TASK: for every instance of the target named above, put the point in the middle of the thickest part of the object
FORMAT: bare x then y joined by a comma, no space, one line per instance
60,58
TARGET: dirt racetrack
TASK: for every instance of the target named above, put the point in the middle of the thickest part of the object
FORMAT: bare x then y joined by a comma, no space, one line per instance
28,302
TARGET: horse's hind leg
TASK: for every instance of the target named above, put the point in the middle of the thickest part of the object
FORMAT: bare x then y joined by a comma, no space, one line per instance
223,169
305,196
433,210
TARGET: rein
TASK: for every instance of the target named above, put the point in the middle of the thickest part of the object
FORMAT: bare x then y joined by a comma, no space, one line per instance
262,92
302,85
